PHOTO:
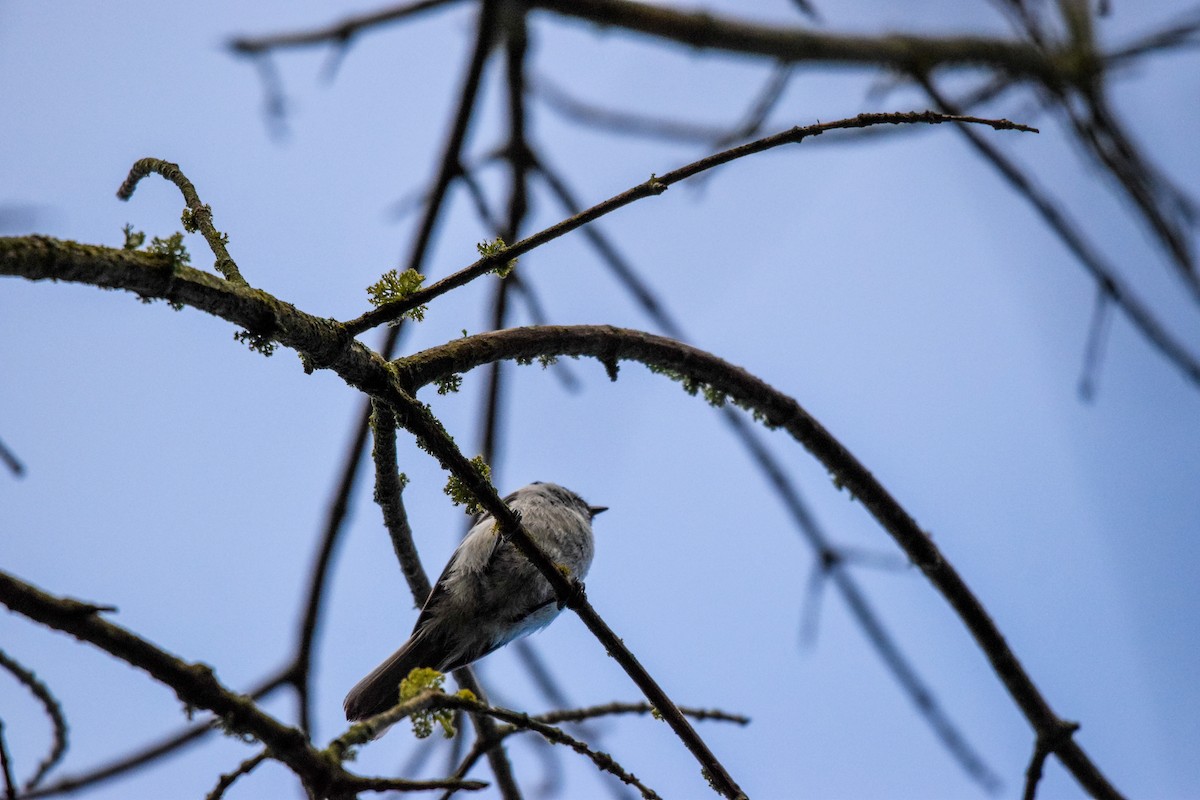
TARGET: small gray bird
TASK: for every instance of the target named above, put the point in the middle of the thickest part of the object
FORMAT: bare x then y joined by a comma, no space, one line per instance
488,595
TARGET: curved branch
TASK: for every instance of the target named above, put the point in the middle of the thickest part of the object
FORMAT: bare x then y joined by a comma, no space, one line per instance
655,186
197,216
777,410
707,31
41,691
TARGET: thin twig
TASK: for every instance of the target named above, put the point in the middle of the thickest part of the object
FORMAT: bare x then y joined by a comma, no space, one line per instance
149,754
229,778
580,714
58,722
1093,353
655,186
10,785
11,461
435,699
1043,747
300,674
339,33
389,489
197,215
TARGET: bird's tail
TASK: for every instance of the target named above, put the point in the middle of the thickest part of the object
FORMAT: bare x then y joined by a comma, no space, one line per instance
380,690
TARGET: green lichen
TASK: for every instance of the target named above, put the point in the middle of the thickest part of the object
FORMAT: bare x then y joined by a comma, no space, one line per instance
497,247
448,384
133,239
173,248
188,218
713,395
418,681
395,286
457,489
256,342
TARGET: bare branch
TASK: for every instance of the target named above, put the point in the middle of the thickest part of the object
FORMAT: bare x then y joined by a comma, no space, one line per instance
229,778
1045,745
149,754
339,33
389,488
703,30
58,722
195,684
10,784
11,461
655,186
435,699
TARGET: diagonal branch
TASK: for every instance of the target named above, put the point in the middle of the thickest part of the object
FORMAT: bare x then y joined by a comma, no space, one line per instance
789,494
720,379
655,186
416,418
149,753
195,684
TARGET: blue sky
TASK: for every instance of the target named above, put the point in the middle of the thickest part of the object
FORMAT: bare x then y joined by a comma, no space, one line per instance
897,289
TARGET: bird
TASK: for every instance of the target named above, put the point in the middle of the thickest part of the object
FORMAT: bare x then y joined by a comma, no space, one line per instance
489,594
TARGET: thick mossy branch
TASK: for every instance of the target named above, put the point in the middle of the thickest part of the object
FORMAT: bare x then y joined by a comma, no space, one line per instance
607,344
322,342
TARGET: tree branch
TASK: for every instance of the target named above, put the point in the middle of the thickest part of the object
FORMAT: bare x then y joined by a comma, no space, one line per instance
655,186
323,343
195,684
703,30
197,216
41,691
339,33
720,379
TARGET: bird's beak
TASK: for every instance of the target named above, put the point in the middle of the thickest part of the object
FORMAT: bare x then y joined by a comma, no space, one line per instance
594,510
